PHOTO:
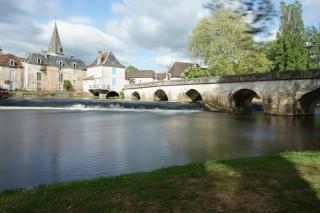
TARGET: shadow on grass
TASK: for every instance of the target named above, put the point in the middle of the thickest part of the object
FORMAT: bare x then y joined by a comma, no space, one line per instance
281,183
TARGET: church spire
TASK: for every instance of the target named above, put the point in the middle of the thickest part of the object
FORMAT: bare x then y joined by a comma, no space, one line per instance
55,47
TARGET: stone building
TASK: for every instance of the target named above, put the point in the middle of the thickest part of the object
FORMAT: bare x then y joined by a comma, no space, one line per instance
48,70
106,74
11,72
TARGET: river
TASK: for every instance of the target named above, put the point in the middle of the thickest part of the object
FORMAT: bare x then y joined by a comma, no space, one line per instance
47,141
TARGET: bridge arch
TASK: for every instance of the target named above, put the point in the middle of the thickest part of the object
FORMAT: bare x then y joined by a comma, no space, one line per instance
135,95
160,95
112,94
241,100
194,95
309,101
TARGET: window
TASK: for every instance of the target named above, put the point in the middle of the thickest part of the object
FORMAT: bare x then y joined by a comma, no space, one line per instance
39,61
74,65
12,74
60,77
11,62
114,82
38,76
114,70
61,63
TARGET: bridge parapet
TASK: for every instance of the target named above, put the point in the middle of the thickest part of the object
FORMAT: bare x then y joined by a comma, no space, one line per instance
270,76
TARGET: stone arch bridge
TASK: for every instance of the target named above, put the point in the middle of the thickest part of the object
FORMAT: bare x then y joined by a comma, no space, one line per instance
280,93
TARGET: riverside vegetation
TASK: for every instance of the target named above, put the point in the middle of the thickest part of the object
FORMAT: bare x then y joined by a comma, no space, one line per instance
287,182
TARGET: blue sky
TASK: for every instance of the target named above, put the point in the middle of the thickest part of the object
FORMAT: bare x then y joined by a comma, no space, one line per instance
149,34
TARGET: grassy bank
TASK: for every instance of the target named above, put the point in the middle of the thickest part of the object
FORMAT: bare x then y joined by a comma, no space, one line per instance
288,182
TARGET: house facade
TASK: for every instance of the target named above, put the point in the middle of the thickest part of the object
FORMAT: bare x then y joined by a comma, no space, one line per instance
11,72
140,76
177,69
48,70
105,73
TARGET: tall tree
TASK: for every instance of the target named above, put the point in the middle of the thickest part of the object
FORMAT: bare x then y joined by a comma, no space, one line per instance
312,35
223,43
259,13
288,52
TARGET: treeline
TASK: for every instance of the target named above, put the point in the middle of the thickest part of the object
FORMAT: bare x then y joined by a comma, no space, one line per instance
224,41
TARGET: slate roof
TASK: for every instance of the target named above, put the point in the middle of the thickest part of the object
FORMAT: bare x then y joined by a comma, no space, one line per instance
54,61
55,46
140,74
5,58
180,67
106,59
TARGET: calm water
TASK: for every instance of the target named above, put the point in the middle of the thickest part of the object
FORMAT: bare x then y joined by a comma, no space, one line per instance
60,141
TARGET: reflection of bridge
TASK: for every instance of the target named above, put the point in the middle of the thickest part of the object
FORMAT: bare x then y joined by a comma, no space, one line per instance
281,93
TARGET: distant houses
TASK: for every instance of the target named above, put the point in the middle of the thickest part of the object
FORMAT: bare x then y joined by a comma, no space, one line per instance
11,71
49,70
177,69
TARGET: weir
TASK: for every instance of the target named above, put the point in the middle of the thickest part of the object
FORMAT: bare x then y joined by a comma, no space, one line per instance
280,93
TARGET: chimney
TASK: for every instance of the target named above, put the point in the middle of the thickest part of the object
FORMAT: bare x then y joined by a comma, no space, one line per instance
99,58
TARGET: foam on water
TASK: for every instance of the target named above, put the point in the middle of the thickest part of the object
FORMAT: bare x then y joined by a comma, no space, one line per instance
113,108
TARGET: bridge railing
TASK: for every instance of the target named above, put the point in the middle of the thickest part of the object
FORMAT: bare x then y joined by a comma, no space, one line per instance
269,76
99,87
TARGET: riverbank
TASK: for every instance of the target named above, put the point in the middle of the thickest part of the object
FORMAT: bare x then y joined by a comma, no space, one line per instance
286,182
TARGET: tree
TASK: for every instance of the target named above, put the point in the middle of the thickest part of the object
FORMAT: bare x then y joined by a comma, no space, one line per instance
312,35
259,13
196,72
288,51
223,43
67,85
131,68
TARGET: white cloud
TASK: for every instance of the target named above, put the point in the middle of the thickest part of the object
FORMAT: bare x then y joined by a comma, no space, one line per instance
81,39
158,23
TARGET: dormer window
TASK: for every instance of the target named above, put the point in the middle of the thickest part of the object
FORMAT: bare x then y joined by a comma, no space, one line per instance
11,62
61,63
39,61
74,65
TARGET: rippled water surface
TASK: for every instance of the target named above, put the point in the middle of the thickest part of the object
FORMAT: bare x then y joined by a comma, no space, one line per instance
52,141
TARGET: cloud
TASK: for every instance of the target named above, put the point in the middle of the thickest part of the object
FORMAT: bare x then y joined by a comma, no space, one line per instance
81,39
158,23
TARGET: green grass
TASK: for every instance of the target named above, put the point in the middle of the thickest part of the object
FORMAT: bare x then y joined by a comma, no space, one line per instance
288,182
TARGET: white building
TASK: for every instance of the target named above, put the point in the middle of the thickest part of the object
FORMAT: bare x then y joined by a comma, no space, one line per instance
105,74
140,76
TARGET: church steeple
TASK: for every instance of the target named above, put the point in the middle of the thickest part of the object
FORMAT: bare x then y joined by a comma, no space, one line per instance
55,47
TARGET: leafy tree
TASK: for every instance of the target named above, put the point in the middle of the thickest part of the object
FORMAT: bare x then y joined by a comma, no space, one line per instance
288,51
223,43
67,85
196,72
131,68
312,35
259,13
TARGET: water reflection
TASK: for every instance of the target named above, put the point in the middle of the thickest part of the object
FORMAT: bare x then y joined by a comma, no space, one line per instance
43,146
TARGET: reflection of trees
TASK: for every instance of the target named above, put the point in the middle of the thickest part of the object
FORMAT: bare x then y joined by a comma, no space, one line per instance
221,136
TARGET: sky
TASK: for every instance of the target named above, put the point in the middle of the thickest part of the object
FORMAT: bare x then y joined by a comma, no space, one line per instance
148,34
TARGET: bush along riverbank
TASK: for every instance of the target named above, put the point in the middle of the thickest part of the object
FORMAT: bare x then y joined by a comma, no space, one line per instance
288,182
